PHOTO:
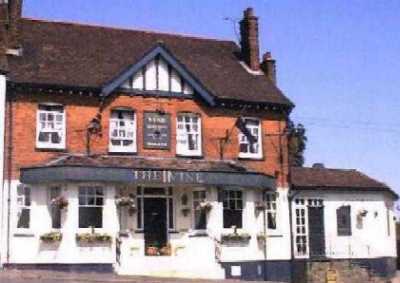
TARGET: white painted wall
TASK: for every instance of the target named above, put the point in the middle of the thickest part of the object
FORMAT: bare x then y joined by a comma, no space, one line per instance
3,89
373,239
25,244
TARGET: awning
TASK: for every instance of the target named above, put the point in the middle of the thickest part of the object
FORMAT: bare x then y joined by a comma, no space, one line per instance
143,177
141,171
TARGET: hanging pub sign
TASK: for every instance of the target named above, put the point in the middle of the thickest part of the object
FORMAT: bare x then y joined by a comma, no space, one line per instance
157,130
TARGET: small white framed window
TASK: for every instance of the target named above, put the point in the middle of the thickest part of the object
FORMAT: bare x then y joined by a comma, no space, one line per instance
188,134
250,141
50,126
199,214
122,131
91,202
23,207
270,200
232,208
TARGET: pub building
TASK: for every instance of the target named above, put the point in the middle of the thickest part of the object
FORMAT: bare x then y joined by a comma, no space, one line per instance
146,153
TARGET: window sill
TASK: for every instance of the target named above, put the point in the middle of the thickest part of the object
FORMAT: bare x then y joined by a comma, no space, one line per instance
198,234
25,234
249,158
122,153
49,149
191,156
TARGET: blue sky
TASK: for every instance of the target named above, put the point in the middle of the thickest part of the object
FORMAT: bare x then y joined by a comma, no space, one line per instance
339,61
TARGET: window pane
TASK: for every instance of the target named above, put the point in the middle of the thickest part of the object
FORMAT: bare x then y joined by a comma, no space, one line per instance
90,217
200,219
24,218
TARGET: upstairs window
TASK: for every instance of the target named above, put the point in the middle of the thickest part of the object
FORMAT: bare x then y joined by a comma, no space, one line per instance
91,202
250,145
188,134
271,210
343,216
122,131
50,128
233,208
24,207
200,214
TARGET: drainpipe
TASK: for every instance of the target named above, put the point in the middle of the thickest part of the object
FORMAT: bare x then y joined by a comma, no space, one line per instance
9,171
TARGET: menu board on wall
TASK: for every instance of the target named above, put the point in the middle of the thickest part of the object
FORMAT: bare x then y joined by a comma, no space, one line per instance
157,130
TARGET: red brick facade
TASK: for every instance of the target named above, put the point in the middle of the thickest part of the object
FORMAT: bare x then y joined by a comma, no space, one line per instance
80,110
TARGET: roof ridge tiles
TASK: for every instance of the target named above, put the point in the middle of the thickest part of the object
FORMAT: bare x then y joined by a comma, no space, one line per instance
116,28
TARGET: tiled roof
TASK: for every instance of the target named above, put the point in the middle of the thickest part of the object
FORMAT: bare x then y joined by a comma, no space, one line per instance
137,162
338,179
77,55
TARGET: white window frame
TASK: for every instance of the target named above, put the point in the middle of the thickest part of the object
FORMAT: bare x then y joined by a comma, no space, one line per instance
96,196
300,227
271,200
182,135
236,207
198,200
130,127
39,128
243,139
23,205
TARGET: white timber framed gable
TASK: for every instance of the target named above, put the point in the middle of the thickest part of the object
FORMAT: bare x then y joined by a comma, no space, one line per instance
159,73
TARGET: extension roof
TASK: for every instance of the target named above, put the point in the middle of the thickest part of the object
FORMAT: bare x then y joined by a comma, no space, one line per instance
76,55
307,178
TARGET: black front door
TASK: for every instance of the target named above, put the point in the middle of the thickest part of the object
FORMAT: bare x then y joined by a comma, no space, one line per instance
316,231
155,222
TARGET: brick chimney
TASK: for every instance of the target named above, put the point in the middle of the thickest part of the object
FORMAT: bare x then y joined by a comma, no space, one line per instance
15,14
249,39
269,67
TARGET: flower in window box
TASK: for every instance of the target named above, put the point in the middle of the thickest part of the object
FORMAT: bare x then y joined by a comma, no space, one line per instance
235,237
60,202
93,238
205,205
52,237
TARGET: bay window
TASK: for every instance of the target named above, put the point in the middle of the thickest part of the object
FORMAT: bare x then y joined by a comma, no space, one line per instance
23,207
250,141
50,126
188,134
91,202
233,208
122,131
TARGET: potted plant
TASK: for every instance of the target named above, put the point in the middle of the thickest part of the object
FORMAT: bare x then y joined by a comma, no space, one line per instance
261,237
51,237
152,251
125,201
60,202
166,250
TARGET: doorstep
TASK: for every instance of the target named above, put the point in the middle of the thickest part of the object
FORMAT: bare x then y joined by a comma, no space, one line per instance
96,277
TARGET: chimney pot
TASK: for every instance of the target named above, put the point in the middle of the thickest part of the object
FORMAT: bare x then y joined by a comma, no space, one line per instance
268,65
249,39
318,166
